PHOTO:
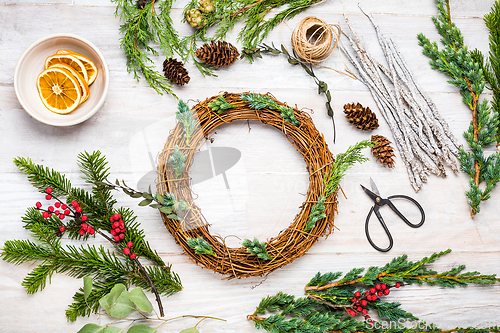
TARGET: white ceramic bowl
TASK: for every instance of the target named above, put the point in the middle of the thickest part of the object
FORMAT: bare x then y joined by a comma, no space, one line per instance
32,62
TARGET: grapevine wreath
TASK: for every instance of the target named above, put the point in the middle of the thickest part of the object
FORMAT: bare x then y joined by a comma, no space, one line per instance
190,228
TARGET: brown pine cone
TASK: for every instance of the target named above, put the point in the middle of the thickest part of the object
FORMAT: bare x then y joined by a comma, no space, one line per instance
383,150
218,54
175,71
362,118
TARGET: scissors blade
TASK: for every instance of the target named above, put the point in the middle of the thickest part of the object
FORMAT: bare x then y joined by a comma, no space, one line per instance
369,193
374,187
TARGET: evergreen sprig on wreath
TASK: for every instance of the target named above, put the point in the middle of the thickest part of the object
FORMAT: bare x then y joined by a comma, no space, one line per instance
79,214
341,302
456,61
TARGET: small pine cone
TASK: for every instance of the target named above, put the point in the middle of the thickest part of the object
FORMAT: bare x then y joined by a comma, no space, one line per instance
362,118
218,54
383,150
175,71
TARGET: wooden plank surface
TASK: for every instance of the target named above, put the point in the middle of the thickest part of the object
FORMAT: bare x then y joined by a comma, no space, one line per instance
266,186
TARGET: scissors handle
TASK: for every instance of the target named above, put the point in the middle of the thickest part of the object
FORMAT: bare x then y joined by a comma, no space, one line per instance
401,216
375,209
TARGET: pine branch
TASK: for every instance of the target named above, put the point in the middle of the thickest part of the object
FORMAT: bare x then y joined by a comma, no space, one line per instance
466,74
257,248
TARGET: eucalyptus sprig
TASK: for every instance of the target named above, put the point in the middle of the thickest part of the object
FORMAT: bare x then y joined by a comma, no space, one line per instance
341,302
90,213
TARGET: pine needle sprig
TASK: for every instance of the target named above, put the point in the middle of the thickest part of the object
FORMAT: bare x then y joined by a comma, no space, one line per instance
220,105
201,246
177,161
257,248
186,118
466,74
341,302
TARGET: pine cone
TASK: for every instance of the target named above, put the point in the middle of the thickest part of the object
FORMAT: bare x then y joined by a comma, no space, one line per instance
175,71
362,118
383,151
142,3
218,54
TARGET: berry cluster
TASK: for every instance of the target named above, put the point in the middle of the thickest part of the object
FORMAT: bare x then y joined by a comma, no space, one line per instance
118,231
360,302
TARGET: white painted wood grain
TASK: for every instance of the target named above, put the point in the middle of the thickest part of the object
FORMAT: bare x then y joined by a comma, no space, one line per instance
266,185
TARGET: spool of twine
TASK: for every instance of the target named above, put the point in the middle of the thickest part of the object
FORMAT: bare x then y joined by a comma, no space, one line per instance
314,40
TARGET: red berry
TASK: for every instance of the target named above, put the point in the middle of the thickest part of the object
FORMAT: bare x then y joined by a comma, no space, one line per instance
117,216
133,255
116,238
83,218
372,290
57,212
81,232
367,293
386,292
112,232
51,209
74,203
64,206
126,250
62,228
380,293
111,219
48,190
67,212
397,285
38,204
50,215
353,300
78,209
117,230
62,216
45,215
84,226
357,294
383,286
129,244
359,309
374,297
57,204
90,230
115,225
378,287
122,236
365,311
48,197
369,297
364,302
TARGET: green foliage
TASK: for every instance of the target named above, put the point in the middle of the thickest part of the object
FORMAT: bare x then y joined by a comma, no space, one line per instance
464,70
177,161
328,305
343,162
317,213
257,248
258,102
220,105
104,266
186,117
201,246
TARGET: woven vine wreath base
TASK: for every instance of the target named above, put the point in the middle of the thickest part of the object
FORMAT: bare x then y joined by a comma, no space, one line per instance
290,243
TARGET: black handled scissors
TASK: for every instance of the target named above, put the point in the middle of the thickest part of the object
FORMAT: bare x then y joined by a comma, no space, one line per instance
379,202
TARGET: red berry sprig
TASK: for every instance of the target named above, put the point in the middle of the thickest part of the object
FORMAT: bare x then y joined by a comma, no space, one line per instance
360,303
118,231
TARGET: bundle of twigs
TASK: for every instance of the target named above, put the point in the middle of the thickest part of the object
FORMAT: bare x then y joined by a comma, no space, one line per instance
292,242
424,140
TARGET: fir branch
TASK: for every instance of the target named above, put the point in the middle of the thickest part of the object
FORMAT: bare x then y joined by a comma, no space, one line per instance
220,105
201,246
466,74
317,213
177,161
257,248
343,162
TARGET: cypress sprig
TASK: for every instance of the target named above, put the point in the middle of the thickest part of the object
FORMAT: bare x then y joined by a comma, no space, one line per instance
466,74
341,302
177,161
257,248
201,246
107,267
317,213
259,101
220,105
186,118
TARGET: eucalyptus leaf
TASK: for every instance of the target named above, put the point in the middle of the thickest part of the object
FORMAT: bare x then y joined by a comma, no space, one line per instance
112,329
87,286
103,302
109,299
166,210
122,307
91,328
141,329
145,202
155,206
137,296
147,195
160,199
190,330
136,195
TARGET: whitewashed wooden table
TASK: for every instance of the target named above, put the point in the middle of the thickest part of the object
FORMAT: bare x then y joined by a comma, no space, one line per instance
266,186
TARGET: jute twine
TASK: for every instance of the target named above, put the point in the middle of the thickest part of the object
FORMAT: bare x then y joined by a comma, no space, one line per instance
290,243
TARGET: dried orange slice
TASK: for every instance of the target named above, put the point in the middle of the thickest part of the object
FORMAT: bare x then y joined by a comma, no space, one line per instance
67,59
84,87
59,90
89,65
